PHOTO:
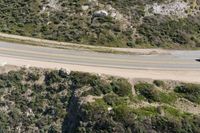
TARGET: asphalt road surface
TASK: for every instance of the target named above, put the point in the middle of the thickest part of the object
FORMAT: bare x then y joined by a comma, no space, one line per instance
176,60
176,65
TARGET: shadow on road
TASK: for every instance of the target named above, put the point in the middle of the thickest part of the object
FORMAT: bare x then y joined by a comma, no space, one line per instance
198,60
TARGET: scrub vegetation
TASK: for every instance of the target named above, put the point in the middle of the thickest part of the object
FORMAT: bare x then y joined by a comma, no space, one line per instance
127,23
43,100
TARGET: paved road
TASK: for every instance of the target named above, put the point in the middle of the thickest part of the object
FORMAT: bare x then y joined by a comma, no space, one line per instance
177,65
176,60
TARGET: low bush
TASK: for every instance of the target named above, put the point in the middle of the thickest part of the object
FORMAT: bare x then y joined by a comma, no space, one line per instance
122,87
159,83
33,76
154,95
148,91
52,77
114,100
80,79
189,91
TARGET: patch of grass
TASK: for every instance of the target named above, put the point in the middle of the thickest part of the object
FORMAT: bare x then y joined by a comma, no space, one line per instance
124,112
174,113
167,97
146,111
137,98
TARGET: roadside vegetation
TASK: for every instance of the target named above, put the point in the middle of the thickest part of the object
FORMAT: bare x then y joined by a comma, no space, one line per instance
41,100
126,23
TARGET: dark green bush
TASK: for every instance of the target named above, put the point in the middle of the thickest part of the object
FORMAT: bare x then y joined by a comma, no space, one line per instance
189,91
2,84
33,76
80,79
122,87
52,77
159,83
114,100
15,76
152,94
148,91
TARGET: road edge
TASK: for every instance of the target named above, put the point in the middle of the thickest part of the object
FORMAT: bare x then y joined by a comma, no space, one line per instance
73,46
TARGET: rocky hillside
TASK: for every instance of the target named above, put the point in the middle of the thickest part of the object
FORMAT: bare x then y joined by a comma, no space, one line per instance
54,101
118,23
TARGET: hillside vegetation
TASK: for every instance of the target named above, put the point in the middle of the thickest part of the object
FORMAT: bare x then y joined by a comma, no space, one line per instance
37,100
117,23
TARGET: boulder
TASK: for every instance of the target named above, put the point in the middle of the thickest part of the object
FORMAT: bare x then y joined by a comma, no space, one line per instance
100,13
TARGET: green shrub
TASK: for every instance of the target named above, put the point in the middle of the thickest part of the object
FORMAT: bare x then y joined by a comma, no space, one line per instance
122,87
95,91
39,88
98,88
15,76
159,83
80,79
114,100
2,84
131,44
52,77
148,91
189,91
33,76
105,87
59,101
153,95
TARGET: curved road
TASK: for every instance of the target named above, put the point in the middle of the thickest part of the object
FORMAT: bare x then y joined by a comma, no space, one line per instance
175,61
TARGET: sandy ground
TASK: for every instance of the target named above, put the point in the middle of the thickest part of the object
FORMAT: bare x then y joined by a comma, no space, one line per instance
184,76
7,68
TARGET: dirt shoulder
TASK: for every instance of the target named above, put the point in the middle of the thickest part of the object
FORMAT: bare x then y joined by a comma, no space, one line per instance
74,46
